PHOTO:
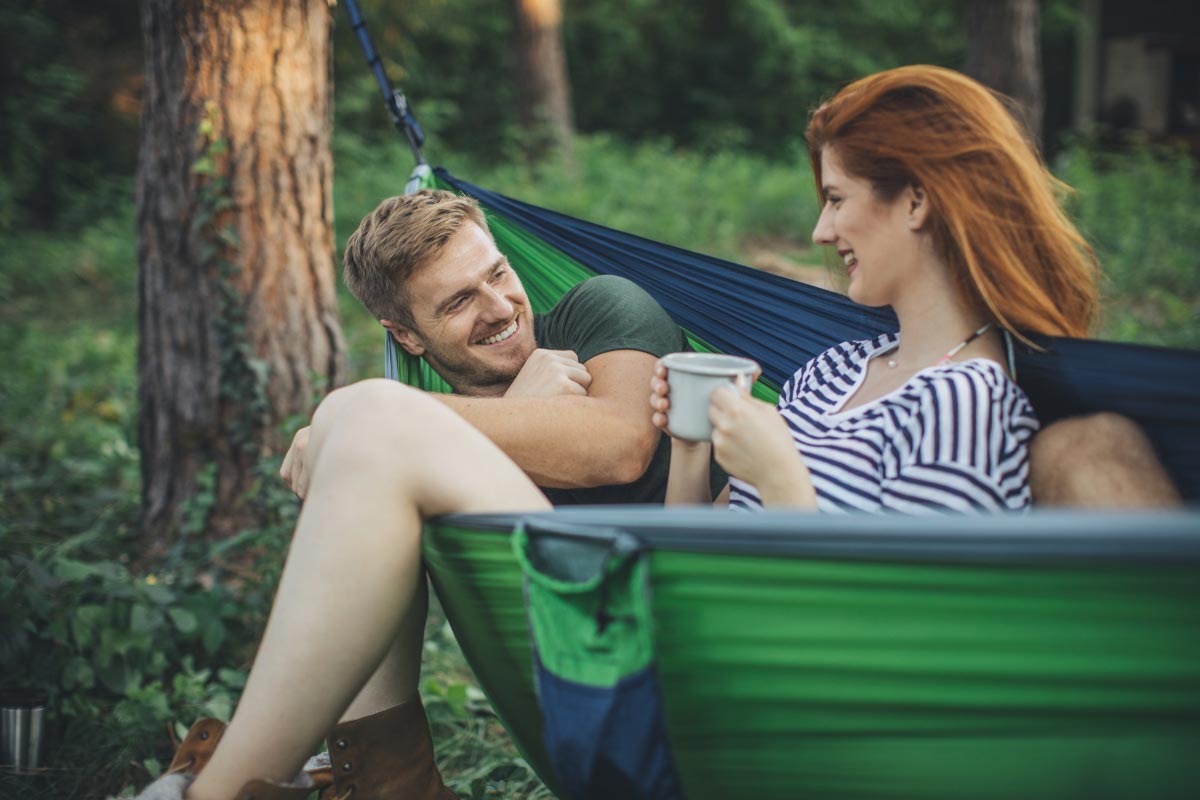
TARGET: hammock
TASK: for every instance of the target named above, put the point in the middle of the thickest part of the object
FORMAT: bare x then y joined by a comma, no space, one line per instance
672,653
782,323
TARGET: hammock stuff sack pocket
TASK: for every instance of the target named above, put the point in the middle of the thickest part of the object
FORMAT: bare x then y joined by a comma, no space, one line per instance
588,600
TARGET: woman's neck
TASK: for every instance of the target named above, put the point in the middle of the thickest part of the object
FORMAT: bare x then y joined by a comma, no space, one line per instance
932,321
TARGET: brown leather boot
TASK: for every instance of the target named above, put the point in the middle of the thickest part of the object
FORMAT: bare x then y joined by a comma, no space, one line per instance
384,756
193,754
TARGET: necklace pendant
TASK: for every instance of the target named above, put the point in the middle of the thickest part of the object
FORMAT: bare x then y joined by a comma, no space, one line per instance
891,362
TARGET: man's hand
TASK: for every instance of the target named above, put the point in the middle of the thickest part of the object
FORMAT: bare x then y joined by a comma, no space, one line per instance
550,373
295,469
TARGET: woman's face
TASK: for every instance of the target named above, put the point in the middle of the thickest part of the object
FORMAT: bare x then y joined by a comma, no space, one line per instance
875,239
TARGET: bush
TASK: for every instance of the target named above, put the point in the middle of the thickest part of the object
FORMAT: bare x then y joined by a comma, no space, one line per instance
1137,207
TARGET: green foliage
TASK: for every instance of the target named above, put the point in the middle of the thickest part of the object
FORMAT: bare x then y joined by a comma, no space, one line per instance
1138,208
128,651
711,202
65,68
739,74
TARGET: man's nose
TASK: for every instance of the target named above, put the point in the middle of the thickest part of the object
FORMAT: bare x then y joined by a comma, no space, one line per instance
496,304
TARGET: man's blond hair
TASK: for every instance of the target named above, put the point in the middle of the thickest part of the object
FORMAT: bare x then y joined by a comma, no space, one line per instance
393,241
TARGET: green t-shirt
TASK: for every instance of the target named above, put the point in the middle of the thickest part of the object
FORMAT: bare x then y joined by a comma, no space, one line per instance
597,316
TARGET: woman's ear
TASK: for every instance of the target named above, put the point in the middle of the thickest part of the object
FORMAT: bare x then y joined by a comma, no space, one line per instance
918,207
404,337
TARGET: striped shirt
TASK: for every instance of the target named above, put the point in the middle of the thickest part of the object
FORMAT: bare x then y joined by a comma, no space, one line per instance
954,438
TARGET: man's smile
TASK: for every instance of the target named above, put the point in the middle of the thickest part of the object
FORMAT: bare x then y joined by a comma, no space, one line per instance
503,335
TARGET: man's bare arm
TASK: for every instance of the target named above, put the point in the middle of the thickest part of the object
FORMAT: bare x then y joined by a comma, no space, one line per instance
574,441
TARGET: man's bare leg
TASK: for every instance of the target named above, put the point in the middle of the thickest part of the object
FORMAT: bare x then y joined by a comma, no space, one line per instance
352,586
1099,461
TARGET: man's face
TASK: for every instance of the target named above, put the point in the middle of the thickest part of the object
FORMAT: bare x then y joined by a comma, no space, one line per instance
472,318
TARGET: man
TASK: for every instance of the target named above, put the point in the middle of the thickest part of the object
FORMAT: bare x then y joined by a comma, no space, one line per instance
563,396
1100,461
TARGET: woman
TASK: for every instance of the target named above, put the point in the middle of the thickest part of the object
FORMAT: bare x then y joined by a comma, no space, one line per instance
938,206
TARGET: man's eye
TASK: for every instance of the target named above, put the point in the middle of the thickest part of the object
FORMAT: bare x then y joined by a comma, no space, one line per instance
456,304
499,274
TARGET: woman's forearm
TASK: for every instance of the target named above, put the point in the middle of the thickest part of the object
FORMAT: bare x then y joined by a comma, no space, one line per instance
688,480
789,487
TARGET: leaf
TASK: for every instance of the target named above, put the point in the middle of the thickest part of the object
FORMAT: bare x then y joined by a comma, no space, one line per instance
228,236
204,165
144,619
88,619
213,636
69,570
185,621
78,672
118,677
220,707
234,679
159,594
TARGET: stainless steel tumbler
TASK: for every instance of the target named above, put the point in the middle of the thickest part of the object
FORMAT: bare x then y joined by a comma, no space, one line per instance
22,727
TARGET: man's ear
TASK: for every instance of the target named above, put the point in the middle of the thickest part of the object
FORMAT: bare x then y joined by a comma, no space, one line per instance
405,337
918,207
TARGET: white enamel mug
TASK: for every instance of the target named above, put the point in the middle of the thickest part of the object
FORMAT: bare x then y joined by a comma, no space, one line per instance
691,380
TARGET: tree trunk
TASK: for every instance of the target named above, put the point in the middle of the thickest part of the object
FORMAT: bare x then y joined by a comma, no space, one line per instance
543,91
1003,52
236,288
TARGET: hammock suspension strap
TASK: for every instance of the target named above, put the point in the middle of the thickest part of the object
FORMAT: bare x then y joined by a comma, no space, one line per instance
393,98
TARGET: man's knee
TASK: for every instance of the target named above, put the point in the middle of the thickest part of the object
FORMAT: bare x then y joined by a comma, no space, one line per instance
1102,460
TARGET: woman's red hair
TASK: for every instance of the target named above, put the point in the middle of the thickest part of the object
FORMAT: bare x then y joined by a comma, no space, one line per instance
995,213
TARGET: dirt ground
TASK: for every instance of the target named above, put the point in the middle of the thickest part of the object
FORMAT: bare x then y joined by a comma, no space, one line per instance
787,258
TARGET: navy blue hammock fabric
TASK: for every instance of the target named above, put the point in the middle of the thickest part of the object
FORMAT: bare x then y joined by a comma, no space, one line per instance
782,323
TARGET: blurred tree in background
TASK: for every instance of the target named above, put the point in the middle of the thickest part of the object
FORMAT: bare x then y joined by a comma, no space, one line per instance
709,75
543,90
1003,52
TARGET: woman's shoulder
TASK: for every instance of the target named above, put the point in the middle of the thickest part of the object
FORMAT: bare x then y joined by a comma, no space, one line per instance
984,374
979,383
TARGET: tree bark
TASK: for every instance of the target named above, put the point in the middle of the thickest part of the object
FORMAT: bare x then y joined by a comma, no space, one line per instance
543,90
233,328
1003,52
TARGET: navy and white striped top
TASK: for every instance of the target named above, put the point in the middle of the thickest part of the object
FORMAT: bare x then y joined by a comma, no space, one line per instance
953,438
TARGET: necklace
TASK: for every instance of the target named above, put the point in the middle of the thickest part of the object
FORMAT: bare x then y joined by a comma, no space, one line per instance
953,351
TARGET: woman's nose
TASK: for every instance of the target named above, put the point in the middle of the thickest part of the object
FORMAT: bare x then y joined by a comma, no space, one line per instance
823,233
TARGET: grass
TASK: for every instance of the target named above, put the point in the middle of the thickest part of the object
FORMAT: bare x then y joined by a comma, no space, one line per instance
69,477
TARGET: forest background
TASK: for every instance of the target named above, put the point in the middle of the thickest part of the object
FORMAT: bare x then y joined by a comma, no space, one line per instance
689,120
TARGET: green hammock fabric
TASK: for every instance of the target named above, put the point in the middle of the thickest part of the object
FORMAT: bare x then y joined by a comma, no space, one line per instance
847,675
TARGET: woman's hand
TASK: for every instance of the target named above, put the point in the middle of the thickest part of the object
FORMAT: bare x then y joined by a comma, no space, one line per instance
688,478
752,442
659,404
